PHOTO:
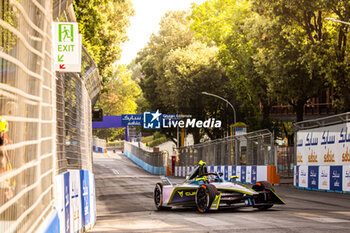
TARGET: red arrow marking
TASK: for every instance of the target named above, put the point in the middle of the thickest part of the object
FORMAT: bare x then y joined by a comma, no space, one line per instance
62,66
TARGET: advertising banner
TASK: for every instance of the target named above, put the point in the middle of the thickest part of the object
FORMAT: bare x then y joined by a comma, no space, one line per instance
296,176
233,171
226,172
254,174
243,174
336,177
218,168
313,177
85,197
92,198
211,169
346,178
324,177
75,201
303,176
248,178
59,200
67,215
261,173
238,173
229,172
324,146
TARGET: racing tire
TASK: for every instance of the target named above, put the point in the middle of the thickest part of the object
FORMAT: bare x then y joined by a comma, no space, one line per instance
158,197
205,196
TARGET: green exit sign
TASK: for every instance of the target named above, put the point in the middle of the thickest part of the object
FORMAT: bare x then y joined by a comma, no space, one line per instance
67,46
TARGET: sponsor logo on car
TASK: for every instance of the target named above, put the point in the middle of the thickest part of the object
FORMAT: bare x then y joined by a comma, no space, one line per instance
181,193
190,193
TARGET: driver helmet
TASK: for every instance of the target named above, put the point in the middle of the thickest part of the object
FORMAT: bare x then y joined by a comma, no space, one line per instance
3,125
211,178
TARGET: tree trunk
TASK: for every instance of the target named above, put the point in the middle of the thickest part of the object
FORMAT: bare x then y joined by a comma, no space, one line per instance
299,110
266,122
196,136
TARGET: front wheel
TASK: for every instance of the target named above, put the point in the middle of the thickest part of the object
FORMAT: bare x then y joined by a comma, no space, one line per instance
204,197
158,197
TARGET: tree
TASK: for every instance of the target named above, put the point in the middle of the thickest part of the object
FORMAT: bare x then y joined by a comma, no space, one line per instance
119,98
223,23
103,24
177,69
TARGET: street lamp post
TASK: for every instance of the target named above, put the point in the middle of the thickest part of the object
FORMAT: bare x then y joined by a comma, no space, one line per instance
337,21
234,111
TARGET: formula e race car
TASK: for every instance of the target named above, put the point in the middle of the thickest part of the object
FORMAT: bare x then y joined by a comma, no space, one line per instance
209,191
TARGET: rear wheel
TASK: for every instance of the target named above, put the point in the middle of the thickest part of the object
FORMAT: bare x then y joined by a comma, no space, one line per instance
205,196
158,197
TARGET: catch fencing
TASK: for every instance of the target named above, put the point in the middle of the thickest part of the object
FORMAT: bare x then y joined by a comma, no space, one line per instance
255,148
48,115
153,162
27,102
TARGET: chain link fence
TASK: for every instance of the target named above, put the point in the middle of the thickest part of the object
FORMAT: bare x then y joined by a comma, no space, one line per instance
155,159
27,102
49,118
255,148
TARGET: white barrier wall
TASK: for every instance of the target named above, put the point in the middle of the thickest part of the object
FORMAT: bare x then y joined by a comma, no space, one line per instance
323,158
75,201
246,174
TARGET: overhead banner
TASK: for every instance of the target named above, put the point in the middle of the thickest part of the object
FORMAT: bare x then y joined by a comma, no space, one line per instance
132,120
66,47
324,146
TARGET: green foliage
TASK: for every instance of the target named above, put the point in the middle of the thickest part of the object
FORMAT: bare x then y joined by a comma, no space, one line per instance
158,141
147,139
279,50
119,97
103,24
176,69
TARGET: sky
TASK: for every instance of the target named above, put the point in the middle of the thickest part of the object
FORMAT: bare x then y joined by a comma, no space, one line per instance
146,21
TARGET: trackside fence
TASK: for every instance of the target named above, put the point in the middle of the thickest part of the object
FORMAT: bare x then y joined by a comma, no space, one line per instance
251,156
153,162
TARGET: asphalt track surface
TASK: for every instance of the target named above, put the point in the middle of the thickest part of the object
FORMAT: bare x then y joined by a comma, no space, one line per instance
124,196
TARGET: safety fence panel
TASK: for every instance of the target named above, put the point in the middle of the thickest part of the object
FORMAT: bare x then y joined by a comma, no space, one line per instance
246,174
153,162
27,103
255,148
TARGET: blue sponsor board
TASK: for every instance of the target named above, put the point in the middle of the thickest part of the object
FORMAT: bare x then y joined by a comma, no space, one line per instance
243,174
132,120
297,176
218,169
234,171
313,177
85,196
66,201
226,173
336,177
211,168
254,174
